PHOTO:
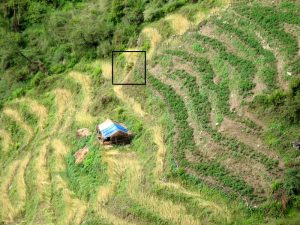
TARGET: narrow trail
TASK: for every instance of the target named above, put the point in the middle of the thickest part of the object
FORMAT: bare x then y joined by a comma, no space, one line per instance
17,118
5,138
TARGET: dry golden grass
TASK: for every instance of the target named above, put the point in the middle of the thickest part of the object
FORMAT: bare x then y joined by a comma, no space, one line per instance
161,151
84,119
106,69
64,103
118,163
166,209
132,57
75,209
20,184
15,116
7,210
179,23
60,150
154,37
85,82
200,16
137,108
116,169
42,178
5,138
39,110
86,86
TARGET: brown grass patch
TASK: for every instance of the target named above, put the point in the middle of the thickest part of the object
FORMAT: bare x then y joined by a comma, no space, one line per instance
60,151
86,85
20,184
42,178
7,211
39,110
5,138
106,69
75,209
179,23
15,116
154,37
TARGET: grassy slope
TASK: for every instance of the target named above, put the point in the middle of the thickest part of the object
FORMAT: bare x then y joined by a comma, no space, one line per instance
164,177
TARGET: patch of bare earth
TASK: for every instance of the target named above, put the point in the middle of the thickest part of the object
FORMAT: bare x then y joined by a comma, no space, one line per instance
179,23
5,138
253,173
245,135
259,86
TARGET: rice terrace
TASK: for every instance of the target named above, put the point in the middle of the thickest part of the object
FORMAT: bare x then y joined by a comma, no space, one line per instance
211,136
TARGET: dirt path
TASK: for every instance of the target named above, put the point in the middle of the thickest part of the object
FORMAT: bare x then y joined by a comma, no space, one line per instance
5,138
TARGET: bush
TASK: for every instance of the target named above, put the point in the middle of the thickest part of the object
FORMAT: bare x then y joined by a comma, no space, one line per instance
292,181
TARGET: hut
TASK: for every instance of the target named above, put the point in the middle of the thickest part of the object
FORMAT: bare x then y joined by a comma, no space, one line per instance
110,132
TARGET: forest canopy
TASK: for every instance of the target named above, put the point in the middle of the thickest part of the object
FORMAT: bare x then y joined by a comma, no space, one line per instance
50,36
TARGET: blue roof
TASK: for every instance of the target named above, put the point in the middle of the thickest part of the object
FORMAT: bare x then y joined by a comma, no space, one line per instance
109,128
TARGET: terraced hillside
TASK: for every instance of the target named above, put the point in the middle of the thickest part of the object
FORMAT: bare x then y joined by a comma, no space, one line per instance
213,127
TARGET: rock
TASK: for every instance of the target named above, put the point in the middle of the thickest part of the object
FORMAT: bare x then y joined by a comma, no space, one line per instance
81,154
296,145
83,132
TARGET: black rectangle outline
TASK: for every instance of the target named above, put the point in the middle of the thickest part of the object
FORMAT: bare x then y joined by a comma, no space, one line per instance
112,68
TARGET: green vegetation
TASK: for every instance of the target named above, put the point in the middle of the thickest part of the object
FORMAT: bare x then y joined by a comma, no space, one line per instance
215,128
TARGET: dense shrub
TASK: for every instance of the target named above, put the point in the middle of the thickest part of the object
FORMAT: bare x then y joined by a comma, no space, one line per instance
288,103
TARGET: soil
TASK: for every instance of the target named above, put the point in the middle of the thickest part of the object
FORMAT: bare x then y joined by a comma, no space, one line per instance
81,154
